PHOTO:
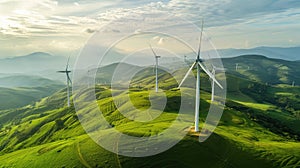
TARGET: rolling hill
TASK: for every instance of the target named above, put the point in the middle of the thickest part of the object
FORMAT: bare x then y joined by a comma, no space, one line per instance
290,53
13,81
264,70
21,96
259,127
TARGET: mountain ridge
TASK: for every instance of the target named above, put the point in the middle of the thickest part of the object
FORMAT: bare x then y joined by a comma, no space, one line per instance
50,130
285,53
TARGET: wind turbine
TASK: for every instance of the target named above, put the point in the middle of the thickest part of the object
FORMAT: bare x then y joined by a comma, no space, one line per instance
214,71
236,66
67,71
198,64
156,67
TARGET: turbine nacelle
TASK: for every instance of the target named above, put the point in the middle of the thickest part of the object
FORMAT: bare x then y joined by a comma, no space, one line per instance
64,71
199,60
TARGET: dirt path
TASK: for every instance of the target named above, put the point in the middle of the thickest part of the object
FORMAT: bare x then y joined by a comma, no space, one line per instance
117,156
81,159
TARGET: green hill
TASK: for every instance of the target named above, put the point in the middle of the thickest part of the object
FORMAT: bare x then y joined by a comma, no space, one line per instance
259,128
26,81
265,70
21,96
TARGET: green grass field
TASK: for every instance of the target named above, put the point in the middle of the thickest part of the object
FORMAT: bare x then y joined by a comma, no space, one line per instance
259,128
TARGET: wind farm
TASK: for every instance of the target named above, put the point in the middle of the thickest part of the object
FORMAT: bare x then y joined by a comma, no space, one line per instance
246,120
152,85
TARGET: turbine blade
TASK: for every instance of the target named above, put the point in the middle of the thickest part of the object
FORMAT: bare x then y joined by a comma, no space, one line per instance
69,78
153,51
200,43
61,71
219,69
67,66
186,75
210,75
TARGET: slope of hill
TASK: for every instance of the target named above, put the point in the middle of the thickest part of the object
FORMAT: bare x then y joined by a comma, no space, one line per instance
21,96
259,128
265,70
26,81
291,53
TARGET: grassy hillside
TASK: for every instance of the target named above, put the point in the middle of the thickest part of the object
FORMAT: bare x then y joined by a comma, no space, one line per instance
45,132
264,70
21,96
259,128
26,81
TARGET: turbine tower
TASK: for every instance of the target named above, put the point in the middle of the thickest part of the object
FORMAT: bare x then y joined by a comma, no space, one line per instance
198,64
156,67
236,66
67,71
214,71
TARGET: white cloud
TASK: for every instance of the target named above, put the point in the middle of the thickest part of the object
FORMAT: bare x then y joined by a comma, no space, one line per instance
229,22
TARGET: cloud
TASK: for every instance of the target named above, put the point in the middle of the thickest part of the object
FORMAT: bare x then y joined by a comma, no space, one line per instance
161,41
239,20
88,30
74,17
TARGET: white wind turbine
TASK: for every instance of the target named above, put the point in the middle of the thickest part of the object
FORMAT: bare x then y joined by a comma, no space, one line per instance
67,71
214,71
198,64
156,67
236,66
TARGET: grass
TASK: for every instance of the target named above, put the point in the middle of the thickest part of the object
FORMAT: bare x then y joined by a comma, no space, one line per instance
238,141
11,98
258,129
258,106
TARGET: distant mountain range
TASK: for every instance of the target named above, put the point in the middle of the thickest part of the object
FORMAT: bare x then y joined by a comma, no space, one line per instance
256,68
291,54
263,69
26,81
34,62
46,65
38,63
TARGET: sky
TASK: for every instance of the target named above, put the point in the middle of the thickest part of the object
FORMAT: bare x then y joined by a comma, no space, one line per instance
64,27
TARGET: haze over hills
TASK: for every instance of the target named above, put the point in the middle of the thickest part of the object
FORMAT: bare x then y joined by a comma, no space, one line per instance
291,53
47,64
38,63
35,62
26,81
